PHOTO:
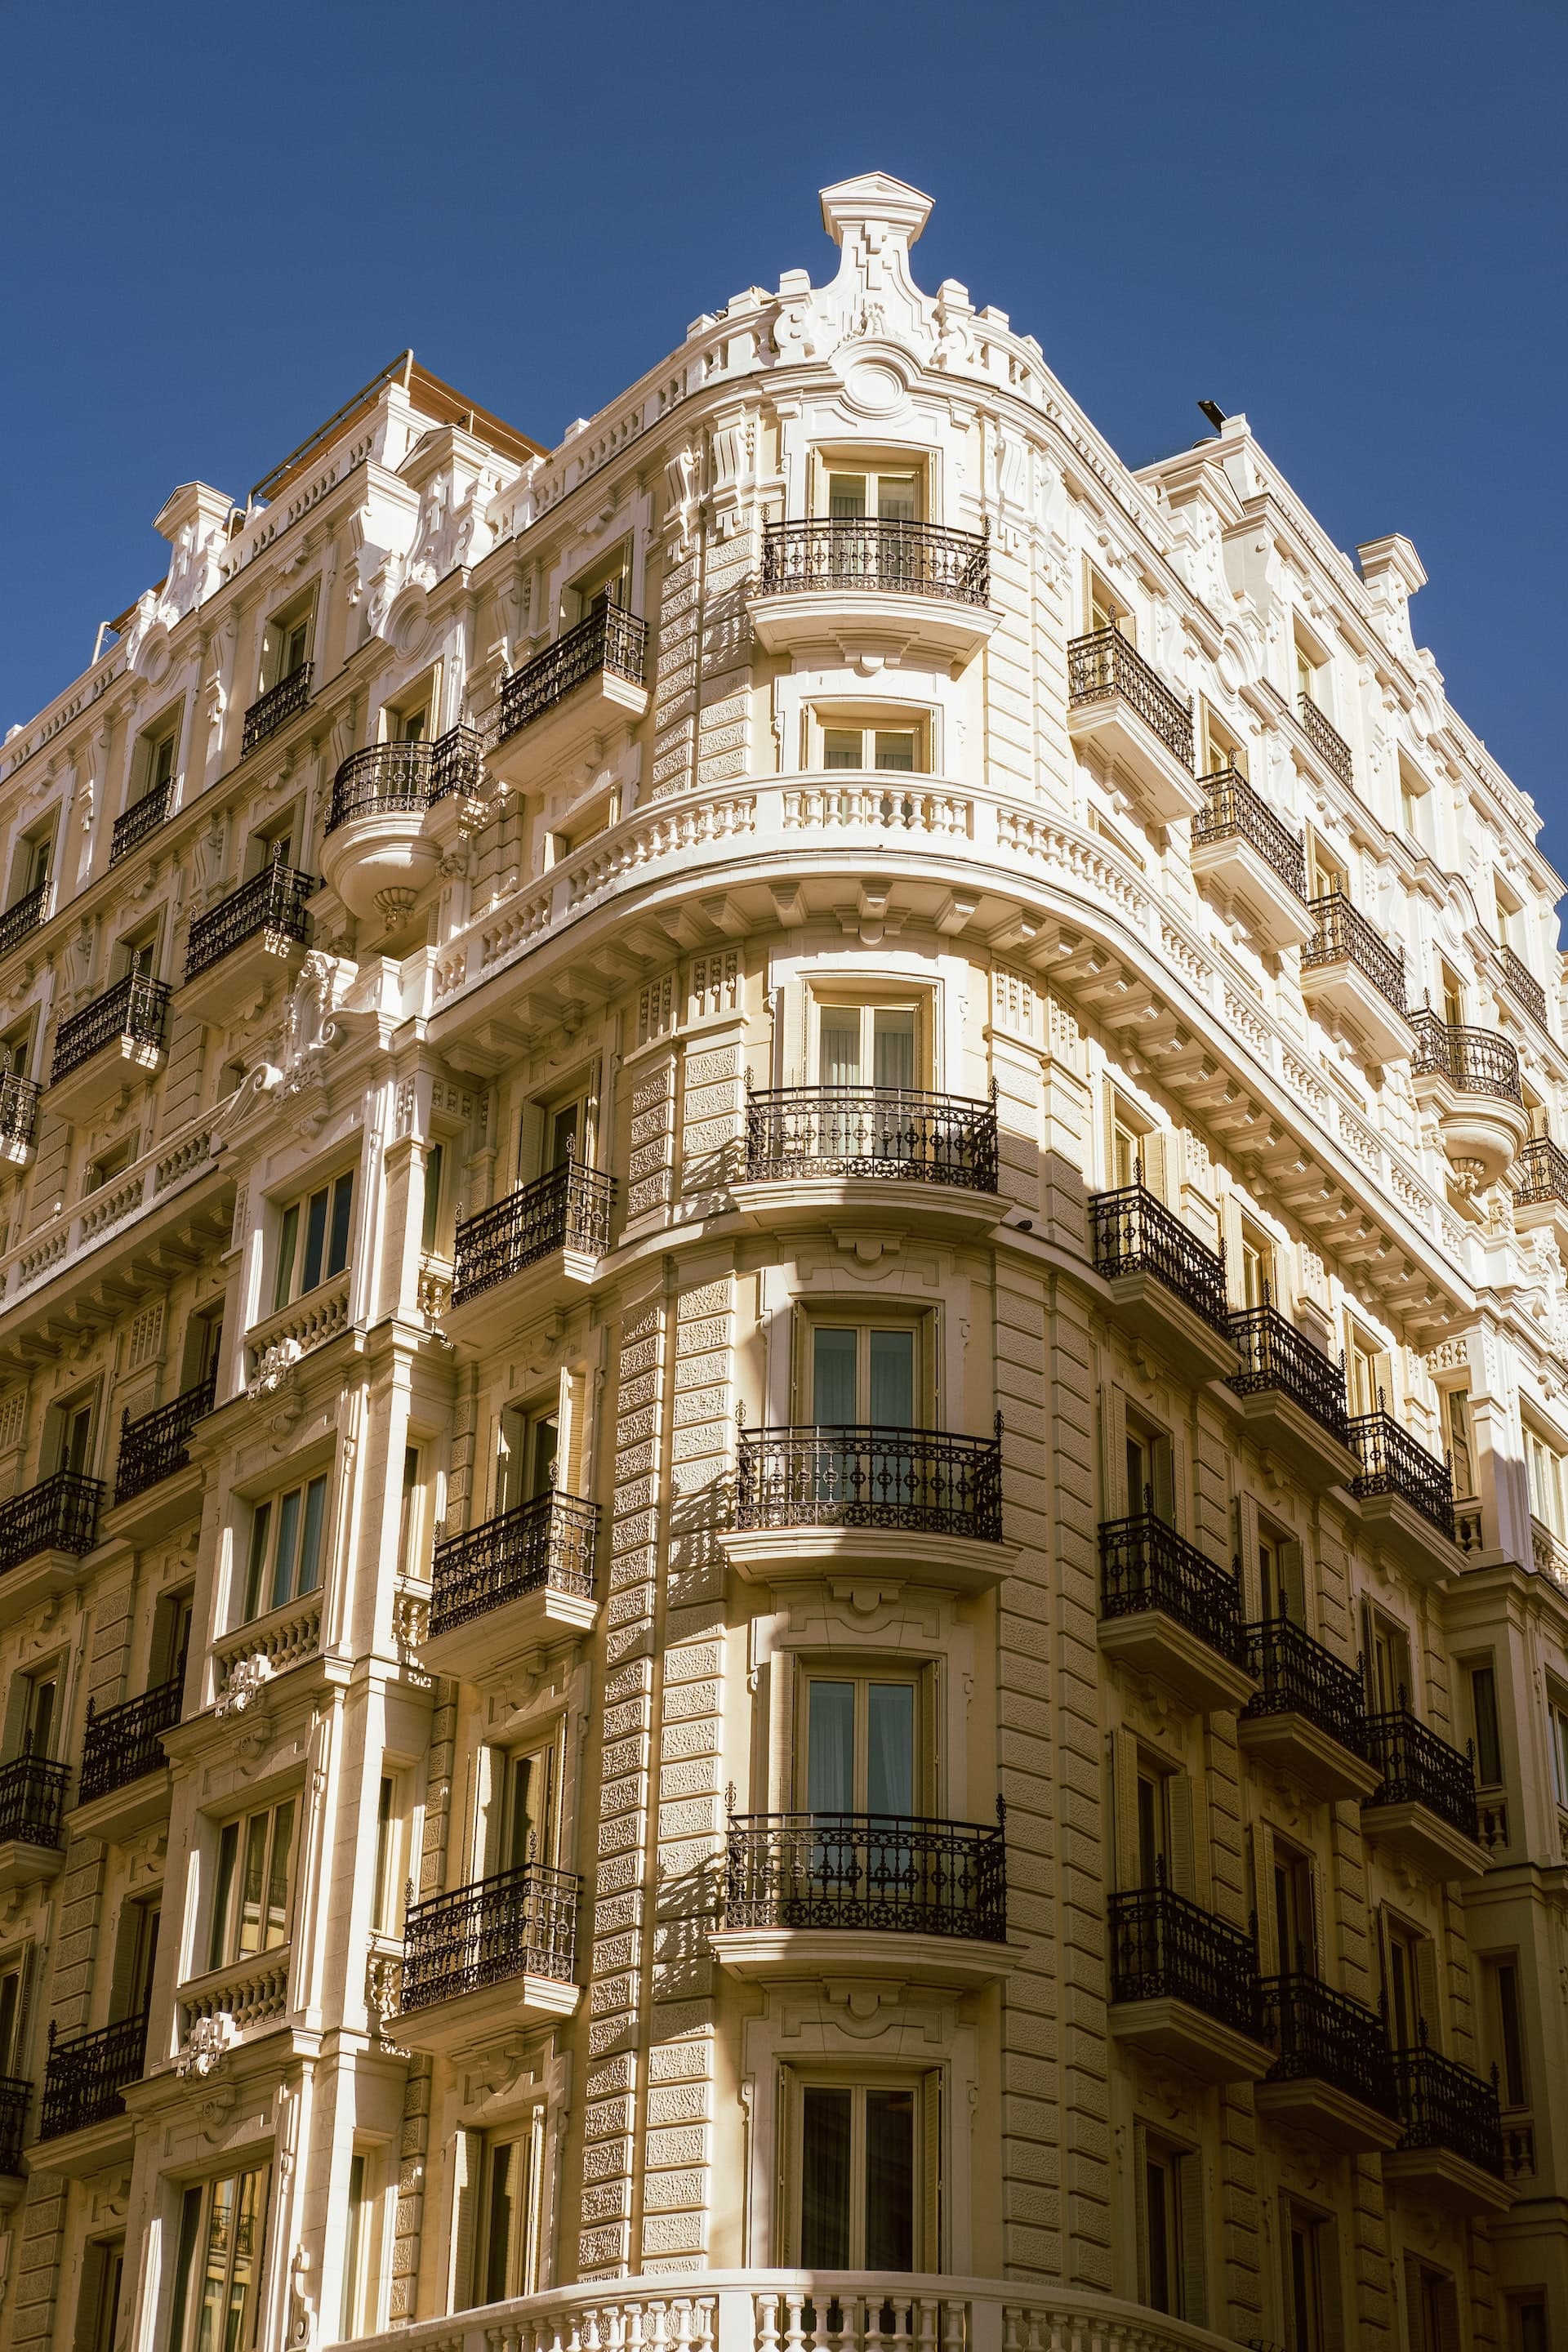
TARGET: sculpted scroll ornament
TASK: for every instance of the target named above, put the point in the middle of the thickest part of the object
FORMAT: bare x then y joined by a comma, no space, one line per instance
205,2045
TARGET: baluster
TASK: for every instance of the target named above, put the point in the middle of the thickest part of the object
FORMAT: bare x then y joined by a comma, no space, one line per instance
794,2333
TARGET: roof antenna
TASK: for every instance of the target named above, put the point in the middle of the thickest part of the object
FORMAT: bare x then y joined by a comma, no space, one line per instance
1213,412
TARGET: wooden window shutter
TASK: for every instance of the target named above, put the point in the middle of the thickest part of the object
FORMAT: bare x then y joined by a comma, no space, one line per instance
1141,2198
1317,1942
1125,1808
571,1415
1113,1440
1246,1545
1184,1851
530,2276
27,1986
468,2164
1156,1156
782,1743
1189,2205
1329,2286
1182,1511
1293,1581
930,2253
1428,1991
1268,1960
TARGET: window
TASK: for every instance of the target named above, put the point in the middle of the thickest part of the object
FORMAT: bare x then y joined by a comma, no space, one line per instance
410,1515
16,1051
1366,1370
864,2173
1150,1470
1312,2298
408,721
67,1437
869,1045
1409,1985
217,2266
1107,610
271,844
34,861
863,1374
1281,1580
1311,673
497,2212
518,1825
885,494
98,2305
391,1858
251,1899
135,1958
286,641
1486,1724
1130,1141
153,768
40,1710
284,1558
1257,1264
1545,1466
13,2018
861,1745
1505,2025
898,749
203,1346
1461,1448
137,953
528,1452
606,583
1223,748
1413,804
362,2250
109,1165
313,1239
434,1170
1527,2324
1432,2307
1385,1652
556,1132
1170,2228
1153,1810
1326,874
1292,1909
1451,994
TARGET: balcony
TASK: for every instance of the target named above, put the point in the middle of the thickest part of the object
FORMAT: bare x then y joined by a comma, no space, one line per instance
1424,1806
1116,699
259,933
1333,2073
1540,1180
809,1894
1165,1609
1241,849
83,2080
154,1449
1325,739
492,1956
143,817
18,1118
893,1151
1184,1985
1166,1284
273,709
1406,1496
1292,1397
379,853
119,1037
124,1779
1350,973
23,917
32,1809
843,589
1523,986
559,1223
923,1503
587,686
46,1531
1308,1715
500,1589
1451,2151
1470,1078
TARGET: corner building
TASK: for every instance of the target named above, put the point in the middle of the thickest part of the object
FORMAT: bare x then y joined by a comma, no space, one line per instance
782,1393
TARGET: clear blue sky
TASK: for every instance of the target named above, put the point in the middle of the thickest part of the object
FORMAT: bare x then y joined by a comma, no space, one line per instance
1347,220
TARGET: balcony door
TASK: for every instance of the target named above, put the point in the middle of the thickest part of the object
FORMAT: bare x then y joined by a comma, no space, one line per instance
863,1373
864,2175
68,1443
862,1745
1409,1985
135,1958
1367,1372
528,1448
40,1712
861,1046
1293,1911
519,1809
890,494
12,2021
1385,1650
1151,1479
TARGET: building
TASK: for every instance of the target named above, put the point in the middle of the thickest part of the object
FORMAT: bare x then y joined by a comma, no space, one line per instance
783,1356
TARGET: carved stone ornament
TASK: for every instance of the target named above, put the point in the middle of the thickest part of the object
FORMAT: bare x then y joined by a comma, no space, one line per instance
247,1680
381,1982
205,2045
273,1368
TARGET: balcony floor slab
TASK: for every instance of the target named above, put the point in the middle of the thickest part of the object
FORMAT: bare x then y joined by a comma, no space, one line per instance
1307,2104
94,2149
880,1204
1145,1306
266,960
499,1312
1425,1839
1168,789
499,1639
43,1577
124,1813
1237,868
23,1863
888,1557
1316,1455
846,625
470,2018
818,1955
1346,993
594,711
1206,2046
1151,1641
170,1502
1437,2176
124,1062
1399,1529
1293,1743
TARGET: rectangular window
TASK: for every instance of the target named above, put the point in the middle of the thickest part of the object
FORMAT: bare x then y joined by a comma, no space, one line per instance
864,1374
861,1745
1169,2197
1461,1448
391,1858
40,1709
507,2260
217,2266
520,1812
313,1239
890,494
1506,2029
1150,1470
285,1547
1527,2324
12,2021
1366,1371
1486,1724
1557,1735
410,1515
863,2191
362,2246
528,1454
1385,1652
1257,1266
1432,2307
1311,2297
98,2305
35,855
869,1045
285,640
251,1899
897,749
1409,1985
68,1434
1545,1466
435,1164
1294,1912
1107,610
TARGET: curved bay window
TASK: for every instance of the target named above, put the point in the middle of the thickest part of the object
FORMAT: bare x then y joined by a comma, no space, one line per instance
862,2172
217,2267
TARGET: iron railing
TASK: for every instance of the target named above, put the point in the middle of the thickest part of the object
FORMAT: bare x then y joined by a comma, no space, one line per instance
913,559
1235,812
456,761
520,1923
59,1514
1444,2105
1145,1565
922,1481
1134,1233
887,1873
136,1007
549,1541
1393,1462
1522,982
124,1743
384,780
1325,738
270,711
1344,935
156,1445
273,900
21,917
86,2073
568,1208
1323,2036
1541,1172
15,2097
32,1799
1474,1061
1105,662
610,639
892,1132
1164,1948
143,817
1419,1768
1275,1355
18,1107
1296,1675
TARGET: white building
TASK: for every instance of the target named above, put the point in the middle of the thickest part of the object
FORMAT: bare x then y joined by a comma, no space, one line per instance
693,1126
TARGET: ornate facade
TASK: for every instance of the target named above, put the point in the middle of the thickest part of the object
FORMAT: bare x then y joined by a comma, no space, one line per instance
782,1373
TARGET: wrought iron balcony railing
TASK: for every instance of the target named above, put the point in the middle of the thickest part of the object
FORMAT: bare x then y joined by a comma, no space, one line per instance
15,2097
1275,1355
1145,1565
389,779
897,1133
1345,936
273,900
549,1541
519,1923
912,559
1444,2105
18,1107
86,2073
270,711
1134,1233
156,1445
568,1208
881,1872
1164,1947
1393,1462
32,1799
135,1007
59,1514
23,918
1474,1061
1419,1768
1325,738
1296,1675
1541,1172
922,1481
124,1743
1235,812
609,640
1105,662
143,817
1323,2036
1522,984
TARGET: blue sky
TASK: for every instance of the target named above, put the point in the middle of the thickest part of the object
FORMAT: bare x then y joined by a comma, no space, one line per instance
1347,221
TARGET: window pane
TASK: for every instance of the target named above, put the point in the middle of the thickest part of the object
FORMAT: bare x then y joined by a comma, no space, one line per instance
260,1522
1489,1736
343,1218
830,1749
288,1243
287,1549
278,1875
315,1239
895,749
244,2262
840,1045
898,499
893,1047
842,747
433,1164
891,1749
825,2179
833,1376
184,2263
503,2219
889,2180
846,497
1157,2198
253,1883
223,1894
892,1379
310,1541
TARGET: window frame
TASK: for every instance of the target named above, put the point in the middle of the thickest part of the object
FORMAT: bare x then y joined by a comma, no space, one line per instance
863,1318
292,1219
296,615
192,2233
928,2087
226,1945
918,1676
264,1544
867,1000
872,465
868,720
